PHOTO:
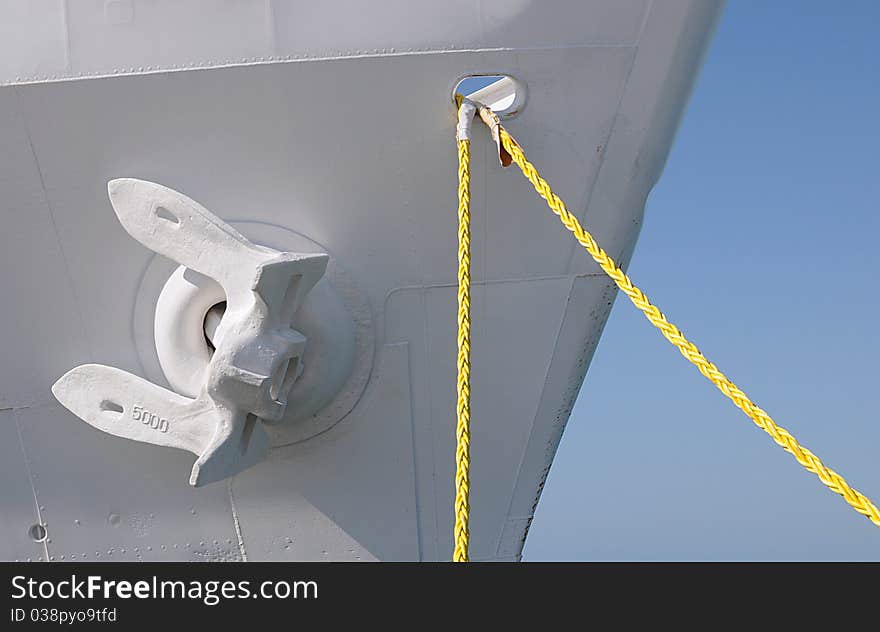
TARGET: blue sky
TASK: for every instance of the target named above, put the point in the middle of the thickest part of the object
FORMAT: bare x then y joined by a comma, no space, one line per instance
759,241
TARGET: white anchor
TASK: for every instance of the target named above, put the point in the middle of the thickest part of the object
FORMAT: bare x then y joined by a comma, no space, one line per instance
257,354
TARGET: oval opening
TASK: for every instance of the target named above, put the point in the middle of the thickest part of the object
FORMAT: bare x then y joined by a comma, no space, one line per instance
37,532
502,93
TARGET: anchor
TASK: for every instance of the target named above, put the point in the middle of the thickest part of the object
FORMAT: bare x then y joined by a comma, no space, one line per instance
257,353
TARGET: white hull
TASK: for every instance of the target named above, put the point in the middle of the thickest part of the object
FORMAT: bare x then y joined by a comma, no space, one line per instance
320,129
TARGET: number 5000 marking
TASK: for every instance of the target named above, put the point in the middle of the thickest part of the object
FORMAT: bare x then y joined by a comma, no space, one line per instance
151,419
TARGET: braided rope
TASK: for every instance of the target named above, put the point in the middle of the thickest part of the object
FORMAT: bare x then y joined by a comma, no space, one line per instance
781,436
463,407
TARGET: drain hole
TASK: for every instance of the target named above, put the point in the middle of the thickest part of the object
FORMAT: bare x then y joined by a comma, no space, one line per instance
504,94
212,321
111,407
37,533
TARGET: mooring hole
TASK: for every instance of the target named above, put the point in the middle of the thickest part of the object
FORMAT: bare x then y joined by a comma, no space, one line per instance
504,94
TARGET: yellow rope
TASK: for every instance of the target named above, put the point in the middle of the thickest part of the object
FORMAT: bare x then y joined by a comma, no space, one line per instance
780,435
463,407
